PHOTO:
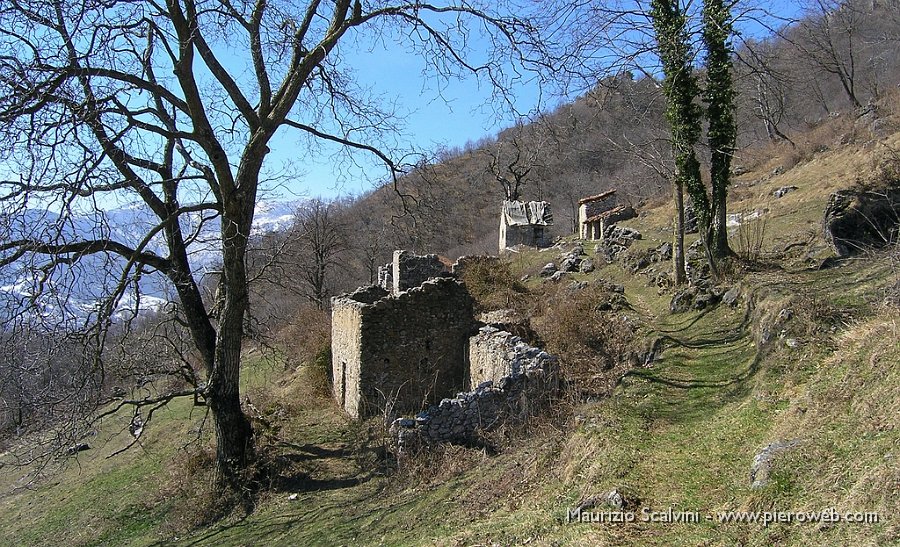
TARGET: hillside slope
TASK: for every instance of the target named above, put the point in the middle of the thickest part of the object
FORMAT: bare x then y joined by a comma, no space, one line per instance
807,360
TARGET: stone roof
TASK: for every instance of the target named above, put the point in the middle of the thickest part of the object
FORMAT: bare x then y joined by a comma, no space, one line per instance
598,197
605,214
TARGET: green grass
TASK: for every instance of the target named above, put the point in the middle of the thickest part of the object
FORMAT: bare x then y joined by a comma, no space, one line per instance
95,499
680,433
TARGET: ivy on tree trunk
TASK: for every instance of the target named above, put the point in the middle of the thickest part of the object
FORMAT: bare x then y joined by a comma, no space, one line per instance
719,97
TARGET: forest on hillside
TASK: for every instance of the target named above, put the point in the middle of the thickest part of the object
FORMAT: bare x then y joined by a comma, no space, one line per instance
836,62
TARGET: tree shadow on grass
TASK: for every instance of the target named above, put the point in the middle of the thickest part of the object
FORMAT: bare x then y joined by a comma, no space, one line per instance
698,371
305,468
303,523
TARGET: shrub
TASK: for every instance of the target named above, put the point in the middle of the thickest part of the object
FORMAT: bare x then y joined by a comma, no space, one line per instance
589,333
493,285
306,341
750,235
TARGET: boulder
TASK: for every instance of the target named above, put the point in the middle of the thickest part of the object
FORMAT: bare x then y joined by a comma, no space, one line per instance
706,300
784,190
569,264
557,276
857,220
762,462
586,266
664,252
77,447
577,286
683,300
548,269
731,296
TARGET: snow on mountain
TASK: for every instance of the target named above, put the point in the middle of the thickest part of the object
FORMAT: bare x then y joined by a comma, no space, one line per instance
274,216
75,291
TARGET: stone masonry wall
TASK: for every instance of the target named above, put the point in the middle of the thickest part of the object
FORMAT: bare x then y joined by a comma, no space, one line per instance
495,353
346,345
407,349
386,277
411,270
523,379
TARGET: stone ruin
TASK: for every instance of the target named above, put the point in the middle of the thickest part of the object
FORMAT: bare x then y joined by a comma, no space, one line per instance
525,223
408,270
597,213
400,351
509,380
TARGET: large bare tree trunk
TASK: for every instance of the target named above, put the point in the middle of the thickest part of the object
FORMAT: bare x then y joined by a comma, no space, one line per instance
234,434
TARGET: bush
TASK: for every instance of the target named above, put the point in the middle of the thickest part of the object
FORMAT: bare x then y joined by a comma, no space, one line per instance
589,334
190,486
493,285
306,341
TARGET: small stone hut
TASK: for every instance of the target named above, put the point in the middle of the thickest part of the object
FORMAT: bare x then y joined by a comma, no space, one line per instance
597,212
525,223
400,351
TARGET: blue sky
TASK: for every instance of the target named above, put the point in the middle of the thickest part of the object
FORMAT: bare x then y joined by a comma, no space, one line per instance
449,117
434,115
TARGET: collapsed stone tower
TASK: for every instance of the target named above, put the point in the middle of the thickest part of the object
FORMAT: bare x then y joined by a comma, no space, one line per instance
411,346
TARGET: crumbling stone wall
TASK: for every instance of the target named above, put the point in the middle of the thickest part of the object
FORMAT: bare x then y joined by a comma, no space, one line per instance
407,350
385,278
411,270
464,262
347,347
494,353
517,381
408,270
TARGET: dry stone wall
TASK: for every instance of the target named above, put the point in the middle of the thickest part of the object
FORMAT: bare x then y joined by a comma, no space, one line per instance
514,381
495,353
411,270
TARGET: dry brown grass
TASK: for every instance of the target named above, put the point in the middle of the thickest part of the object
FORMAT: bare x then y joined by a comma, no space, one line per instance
589,334
493,285
190,485
848,419
306,341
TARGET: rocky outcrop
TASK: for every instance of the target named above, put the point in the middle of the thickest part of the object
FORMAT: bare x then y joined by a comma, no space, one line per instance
783,191
761,467
856,220
616,240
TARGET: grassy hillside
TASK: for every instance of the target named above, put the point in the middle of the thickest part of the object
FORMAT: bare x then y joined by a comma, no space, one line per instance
807,357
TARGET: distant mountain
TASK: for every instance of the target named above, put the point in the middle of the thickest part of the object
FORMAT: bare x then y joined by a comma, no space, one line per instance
275,216
74,291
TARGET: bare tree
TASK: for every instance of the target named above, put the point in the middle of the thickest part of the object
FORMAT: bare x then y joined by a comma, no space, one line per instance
831,40
134,101
514,160
765,86
319,238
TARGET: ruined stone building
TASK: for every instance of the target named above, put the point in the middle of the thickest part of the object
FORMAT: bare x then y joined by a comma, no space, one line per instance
509,381
597,212
412,348
404,350
408,270
525,223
